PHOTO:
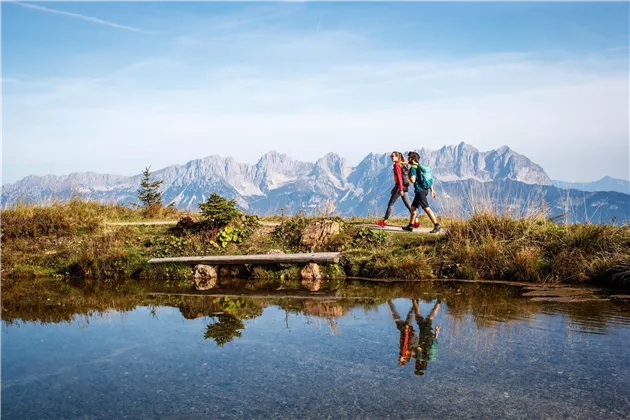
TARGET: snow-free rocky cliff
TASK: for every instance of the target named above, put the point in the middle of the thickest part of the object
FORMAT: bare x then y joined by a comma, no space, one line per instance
278,182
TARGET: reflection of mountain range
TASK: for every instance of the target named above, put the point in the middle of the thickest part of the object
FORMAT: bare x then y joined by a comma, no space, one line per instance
501,179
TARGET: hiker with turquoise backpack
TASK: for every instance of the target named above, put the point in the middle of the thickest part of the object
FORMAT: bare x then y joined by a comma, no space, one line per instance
421,177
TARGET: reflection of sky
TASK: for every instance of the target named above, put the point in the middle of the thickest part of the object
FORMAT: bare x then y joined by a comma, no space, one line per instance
138,365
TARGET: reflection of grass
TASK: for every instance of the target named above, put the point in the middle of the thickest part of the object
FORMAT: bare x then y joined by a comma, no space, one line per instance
55,301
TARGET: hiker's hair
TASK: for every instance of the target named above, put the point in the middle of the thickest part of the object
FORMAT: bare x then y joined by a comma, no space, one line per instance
413,156
398,155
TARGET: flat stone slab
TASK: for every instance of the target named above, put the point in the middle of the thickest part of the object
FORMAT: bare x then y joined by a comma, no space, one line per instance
568,299
558,292
398,229
562,294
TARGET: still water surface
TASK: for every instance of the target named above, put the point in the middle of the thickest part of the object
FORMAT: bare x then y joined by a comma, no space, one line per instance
366,351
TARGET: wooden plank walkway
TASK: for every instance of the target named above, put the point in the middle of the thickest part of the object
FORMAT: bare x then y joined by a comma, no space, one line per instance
144,223
316,257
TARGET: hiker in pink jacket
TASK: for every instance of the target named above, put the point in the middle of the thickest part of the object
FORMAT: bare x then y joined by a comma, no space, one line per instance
401,186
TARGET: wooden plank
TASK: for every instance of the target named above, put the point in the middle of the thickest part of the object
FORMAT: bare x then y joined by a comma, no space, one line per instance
316,257
289,295
144,223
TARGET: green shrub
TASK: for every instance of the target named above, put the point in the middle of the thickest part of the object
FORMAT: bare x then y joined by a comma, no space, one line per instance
247,223
289,232
370,237
217,212
175,246
229,235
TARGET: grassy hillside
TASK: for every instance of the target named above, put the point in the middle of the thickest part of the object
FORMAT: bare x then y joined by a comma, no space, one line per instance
74,240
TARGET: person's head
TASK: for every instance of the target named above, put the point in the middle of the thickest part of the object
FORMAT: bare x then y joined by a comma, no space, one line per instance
413,157
396,156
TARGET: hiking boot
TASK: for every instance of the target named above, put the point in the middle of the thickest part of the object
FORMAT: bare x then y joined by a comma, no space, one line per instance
382,223
436,229
408,228
416,225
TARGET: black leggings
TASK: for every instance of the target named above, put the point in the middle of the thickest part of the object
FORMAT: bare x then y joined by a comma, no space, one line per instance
392,200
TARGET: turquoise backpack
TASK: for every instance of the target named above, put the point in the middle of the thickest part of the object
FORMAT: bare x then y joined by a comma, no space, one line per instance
425,180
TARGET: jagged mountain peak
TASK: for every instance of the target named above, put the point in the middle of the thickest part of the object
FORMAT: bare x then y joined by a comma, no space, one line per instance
273,157
329,160
467,147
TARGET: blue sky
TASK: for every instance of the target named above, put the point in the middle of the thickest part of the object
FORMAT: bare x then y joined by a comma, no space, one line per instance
115,86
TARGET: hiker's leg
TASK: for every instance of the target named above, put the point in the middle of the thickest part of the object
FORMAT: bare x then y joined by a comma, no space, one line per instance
416,308
434,311
405,197
395,313
431,215
390,205
412,216
409,206
421,199
409,319
415,205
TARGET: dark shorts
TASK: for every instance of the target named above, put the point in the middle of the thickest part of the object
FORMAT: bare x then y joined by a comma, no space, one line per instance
420,199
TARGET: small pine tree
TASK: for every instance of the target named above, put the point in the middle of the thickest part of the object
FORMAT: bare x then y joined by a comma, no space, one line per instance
149,193
219,211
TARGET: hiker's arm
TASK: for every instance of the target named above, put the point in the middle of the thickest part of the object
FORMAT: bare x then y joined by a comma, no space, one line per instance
433,194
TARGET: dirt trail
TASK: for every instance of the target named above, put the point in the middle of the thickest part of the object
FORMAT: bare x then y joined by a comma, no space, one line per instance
391,228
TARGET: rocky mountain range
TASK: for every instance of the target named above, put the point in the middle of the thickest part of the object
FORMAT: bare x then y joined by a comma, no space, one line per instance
466,178
607,183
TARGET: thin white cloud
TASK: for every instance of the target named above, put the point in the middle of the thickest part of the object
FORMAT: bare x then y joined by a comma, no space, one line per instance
309,94
10,80
79,16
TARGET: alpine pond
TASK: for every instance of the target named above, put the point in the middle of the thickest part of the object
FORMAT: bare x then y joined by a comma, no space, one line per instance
361,350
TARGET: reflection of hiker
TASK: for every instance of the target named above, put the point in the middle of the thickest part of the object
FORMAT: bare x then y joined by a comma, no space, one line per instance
408,338
421,178
401,185
428,341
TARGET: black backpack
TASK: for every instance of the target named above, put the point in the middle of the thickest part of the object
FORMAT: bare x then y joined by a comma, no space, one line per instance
405,174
